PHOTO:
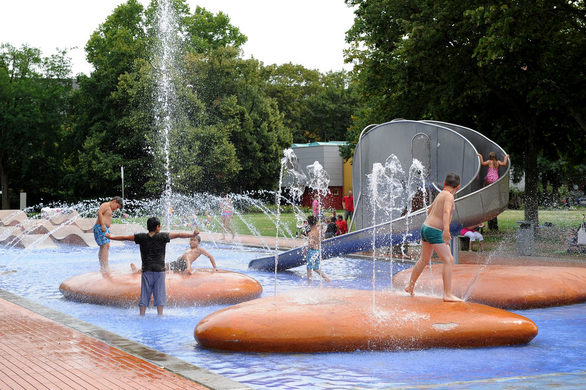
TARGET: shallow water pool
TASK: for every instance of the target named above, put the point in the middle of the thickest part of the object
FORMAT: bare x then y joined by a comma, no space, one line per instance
559,347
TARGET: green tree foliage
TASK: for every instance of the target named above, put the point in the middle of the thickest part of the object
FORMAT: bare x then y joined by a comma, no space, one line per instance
316,107
116,121
34,102
512,70
236,101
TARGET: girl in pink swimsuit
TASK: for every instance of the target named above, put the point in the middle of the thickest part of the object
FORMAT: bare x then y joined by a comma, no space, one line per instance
493,167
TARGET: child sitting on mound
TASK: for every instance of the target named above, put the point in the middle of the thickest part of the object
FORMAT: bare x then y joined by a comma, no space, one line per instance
184,262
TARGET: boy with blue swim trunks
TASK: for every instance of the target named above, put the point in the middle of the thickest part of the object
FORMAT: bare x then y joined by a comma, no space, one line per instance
435,236
102,227
152,254
312,255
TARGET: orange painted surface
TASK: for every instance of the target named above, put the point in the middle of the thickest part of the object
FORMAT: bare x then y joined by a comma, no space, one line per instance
505,286
322,320
203,287
38,353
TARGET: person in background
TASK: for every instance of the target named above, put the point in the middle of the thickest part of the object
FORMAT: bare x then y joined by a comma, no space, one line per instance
315,205
332,228
227,213
348,206
493,167
474,235
342,225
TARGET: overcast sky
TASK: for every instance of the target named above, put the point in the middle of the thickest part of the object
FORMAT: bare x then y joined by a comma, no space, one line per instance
306,32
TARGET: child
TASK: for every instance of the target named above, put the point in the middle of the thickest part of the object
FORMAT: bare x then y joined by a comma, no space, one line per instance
493,167
227,213
102,227
312,256
152,254
183,262
435,236
342,225
473,235
332,228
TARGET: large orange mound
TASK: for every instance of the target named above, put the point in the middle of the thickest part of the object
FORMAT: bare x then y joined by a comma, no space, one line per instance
505,286
323,320
203,287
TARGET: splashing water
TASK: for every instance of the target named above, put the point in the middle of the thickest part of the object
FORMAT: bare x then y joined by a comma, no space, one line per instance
318,181
165,55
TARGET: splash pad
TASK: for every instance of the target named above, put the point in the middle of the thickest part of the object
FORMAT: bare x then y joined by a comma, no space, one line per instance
202,287
506,286
325,320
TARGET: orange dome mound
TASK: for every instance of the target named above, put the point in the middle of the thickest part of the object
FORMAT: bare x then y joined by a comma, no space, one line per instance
203,287
506,286
323,320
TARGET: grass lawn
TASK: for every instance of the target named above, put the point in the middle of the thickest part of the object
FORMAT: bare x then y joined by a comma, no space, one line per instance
550,241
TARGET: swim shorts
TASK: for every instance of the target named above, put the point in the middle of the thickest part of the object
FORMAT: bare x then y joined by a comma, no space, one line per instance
312,258
431,235
100,236
178,265
153,283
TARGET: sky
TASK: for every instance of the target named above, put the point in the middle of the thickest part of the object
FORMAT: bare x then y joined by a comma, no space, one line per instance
306,32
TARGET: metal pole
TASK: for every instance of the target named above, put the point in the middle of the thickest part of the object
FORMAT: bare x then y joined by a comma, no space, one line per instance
122,175
360,173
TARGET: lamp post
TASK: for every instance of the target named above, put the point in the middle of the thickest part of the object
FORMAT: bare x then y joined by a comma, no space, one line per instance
122,175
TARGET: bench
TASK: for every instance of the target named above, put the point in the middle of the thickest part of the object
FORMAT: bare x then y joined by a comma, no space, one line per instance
464,242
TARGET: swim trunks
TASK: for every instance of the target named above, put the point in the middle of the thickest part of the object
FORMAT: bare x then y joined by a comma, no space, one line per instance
178,265
100,236
431,235
312,258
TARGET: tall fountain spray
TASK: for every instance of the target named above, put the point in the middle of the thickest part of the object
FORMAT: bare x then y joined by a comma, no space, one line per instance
296,184
165,54
318,181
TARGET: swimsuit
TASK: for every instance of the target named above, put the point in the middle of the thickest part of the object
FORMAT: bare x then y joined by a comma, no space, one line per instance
178,265
312,258
431,234
100,236
492,175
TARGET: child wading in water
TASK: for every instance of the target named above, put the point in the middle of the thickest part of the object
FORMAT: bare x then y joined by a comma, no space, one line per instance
312,256
435,236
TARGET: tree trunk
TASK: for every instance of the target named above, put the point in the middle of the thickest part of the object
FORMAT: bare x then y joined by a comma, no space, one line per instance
531,177
4,185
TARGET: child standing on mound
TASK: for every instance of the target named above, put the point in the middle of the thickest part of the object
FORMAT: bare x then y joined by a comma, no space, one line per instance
312,255
435,236
152,254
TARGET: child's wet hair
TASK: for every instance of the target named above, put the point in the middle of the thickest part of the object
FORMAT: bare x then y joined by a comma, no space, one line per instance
452,180
311,220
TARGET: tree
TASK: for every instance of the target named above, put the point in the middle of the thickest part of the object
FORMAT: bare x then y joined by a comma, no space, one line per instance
237,102
115,116
514,71
34,98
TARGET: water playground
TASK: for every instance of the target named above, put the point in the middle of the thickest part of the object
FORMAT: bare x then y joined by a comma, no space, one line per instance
266,328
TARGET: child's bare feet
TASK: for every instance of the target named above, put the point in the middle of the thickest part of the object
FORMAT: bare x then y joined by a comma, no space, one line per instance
452,298
409,289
